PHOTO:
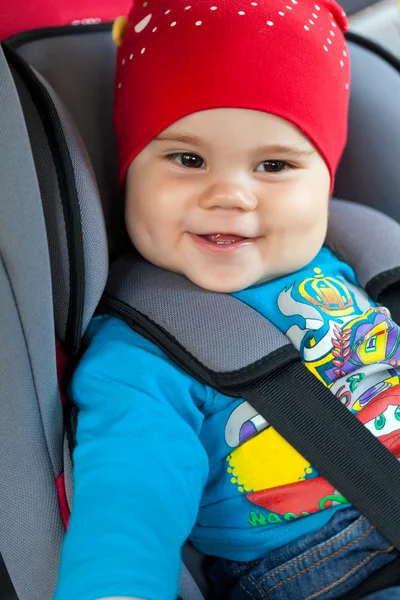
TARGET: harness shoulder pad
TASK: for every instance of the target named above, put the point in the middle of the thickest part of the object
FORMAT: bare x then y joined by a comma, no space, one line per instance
222,341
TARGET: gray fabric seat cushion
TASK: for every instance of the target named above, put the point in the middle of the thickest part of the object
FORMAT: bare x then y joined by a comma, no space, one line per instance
30,407
353,6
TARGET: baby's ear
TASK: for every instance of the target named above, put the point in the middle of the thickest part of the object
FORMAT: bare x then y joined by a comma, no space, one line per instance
119,28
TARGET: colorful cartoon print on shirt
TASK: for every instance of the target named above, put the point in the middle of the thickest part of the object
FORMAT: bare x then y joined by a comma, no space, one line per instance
339,334
270,472
354,349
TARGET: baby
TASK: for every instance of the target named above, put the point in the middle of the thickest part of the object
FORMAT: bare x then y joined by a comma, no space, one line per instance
231,117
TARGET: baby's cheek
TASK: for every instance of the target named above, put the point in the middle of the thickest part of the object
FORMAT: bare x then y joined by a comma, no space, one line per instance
150,232
310,223
136,224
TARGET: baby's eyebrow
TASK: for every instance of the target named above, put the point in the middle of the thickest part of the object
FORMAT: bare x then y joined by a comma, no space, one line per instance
181,138
286,150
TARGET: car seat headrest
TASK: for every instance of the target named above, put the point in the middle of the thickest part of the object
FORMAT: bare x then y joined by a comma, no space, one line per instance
78,63
71,204
369,170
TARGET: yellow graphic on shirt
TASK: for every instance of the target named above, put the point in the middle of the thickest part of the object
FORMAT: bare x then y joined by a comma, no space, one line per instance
265,461
374,346
327,293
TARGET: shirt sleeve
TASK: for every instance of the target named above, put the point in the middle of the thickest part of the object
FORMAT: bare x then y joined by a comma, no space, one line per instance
139,470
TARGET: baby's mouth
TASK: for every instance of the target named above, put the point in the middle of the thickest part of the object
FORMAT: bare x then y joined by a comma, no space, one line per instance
221,242
222,238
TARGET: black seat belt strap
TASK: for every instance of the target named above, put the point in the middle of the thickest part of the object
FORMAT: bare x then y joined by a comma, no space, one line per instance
317,425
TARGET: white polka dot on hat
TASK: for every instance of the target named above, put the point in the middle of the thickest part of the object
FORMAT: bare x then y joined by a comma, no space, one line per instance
285,57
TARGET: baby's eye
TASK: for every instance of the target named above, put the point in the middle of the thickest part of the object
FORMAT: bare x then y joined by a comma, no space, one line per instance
186,159
272,166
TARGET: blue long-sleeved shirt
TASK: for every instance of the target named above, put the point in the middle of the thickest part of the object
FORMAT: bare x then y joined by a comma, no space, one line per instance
161,457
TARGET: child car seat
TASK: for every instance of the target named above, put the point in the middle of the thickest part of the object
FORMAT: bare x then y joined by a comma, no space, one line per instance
54,213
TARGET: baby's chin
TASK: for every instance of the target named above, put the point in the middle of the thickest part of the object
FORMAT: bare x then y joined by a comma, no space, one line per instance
230,281
226,283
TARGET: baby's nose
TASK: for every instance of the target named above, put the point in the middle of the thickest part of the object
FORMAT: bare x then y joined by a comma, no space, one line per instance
228,196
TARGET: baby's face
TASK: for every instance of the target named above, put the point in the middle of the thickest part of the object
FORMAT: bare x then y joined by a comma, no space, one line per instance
229,198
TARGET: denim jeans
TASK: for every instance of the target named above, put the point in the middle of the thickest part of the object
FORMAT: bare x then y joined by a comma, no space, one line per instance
326,564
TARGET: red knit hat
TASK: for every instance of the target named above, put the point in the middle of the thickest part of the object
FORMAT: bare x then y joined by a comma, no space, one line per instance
285,57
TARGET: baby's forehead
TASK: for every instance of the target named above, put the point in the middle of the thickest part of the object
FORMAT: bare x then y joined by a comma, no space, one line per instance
240,124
